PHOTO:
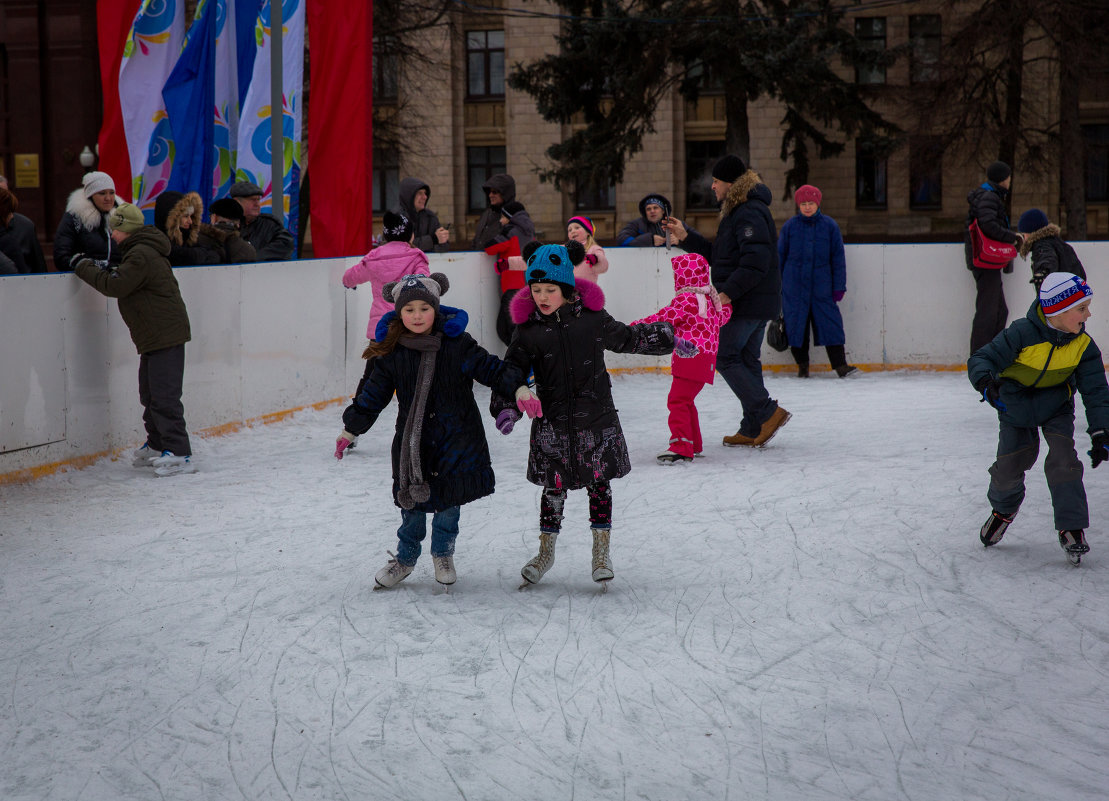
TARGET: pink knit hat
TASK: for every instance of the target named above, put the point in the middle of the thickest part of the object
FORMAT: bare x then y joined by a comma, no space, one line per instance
584,222
806,194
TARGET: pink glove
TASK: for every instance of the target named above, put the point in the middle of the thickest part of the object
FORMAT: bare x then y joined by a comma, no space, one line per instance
506,420
591,259
528,403
684,348
344,441
838,296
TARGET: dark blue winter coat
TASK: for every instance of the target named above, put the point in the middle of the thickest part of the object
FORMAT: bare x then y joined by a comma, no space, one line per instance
744,255
810,250
454,453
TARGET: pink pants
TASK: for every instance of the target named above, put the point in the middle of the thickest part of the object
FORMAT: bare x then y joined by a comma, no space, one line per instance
685,429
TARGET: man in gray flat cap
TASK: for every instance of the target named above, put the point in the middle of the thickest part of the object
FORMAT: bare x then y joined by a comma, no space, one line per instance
264,231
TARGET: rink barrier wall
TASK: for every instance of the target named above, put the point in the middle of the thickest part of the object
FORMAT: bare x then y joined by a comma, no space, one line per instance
271,339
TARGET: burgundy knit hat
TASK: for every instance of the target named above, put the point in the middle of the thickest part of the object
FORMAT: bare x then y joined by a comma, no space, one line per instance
806,194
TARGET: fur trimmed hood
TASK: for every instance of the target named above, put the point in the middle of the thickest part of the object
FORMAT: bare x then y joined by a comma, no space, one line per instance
590,296
86,212
1051,229
451,320
170,208
740,192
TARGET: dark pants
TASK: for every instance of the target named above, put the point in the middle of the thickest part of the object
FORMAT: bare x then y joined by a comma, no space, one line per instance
553,500
161,375
837,356
740,362
505,326
1017,449
990,312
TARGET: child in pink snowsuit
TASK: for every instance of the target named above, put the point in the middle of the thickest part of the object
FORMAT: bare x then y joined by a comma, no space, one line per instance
696,314
388,262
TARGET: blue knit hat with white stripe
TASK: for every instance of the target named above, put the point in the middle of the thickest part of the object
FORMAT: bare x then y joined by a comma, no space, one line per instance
550,264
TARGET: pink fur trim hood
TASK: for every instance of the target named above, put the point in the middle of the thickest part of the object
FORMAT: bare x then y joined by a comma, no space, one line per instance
523,306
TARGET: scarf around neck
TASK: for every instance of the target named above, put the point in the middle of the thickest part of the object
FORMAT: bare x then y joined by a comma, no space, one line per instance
412,489
705,293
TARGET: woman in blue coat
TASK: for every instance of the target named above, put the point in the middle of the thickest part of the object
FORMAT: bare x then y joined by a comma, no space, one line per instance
814,280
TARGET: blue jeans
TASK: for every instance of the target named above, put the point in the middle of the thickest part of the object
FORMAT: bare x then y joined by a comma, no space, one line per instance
413,529
1017,449
740,363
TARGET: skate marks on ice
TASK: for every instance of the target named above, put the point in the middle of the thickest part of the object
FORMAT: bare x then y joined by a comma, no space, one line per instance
814,620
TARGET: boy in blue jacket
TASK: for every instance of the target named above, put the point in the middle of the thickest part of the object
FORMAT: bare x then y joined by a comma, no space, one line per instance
1029,373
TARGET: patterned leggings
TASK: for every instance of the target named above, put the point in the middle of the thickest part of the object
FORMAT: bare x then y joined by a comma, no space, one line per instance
600,507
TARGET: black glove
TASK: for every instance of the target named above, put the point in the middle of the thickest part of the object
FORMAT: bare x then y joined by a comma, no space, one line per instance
1038,277
990,388
1100,452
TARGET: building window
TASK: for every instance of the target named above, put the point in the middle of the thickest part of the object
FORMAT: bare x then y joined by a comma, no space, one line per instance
1097,162
870,178
595,196
925,173
481,163
386,173
871,33
485,64
699,158
384,71
924,47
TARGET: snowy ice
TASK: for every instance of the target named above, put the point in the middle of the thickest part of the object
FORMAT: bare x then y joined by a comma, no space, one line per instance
814,620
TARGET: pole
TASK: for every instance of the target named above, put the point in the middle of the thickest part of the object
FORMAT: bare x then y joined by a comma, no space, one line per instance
277,130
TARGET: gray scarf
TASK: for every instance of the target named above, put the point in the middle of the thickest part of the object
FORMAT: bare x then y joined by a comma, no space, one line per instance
413,489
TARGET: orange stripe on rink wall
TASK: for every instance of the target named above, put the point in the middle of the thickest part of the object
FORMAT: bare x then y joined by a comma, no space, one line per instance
80,462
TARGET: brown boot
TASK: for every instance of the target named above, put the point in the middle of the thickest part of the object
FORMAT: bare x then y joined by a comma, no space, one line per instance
738,439
771,426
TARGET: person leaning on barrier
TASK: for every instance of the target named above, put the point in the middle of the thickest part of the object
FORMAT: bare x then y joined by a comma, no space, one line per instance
17,233
178,216
264,231
499,190
430,236
648,230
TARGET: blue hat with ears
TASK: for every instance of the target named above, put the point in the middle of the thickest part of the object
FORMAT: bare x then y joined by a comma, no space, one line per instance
550,264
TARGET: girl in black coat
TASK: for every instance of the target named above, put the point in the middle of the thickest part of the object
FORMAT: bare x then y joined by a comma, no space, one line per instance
440,455
562,333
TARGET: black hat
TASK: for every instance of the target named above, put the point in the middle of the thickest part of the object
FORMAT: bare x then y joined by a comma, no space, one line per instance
227,208
728,169
395,227
512,207
998,172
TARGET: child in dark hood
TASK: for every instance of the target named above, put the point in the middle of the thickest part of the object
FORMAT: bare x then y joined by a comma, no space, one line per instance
1044,241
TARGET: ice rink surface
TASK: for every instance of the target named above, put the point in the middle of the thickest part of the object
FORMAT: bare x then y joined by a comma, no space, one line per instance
814,620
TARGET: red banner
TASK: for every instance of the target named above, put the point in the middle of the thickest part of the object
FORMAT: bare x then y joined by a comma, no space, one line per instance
340,140
113,23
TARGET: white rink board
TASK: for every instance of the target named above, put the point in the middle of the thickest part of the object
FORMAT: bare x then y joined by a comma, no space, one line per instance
272,337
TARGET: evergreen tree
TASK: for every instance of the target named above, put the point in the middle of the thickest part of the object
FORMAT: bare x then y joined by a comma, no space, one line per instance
618,59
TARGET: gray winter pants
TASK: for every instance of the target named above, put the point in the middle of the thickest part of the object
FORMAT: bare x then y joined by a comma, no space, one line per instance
1017,450
161,376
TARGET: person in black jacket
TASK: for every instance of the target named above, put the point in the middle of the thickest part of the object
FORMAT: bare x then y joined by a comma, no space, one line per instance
429,235
987,206
744,259
499,189
1050,254
17,234
439,453
264,232
83,231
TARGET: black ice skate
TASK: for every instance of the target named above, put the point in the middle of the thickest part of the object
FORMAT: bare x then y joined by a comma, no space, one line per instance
1074,543
994,529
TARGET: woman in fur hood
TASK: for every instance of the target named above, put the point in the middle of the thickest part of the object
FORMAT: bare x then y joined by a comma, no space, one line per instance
179,216
1050,254
83,230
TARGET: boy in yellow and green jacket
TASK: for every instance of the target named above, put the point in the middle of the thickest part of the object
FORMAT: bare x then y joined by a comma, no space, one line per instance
1030,373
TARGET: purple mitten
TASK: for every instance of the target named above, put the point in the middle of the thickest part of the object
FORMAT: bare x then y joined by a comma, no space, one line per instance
591,259
684,348
838,295
343,442
506,420
500,265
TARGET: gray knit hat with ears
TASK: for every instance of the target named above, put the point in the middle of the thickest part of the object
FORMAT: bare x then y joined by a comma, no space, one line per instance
427,288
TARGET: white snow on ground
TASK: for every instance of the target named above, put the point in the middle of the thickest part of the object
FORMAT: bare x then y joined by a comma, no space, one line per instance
816,620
